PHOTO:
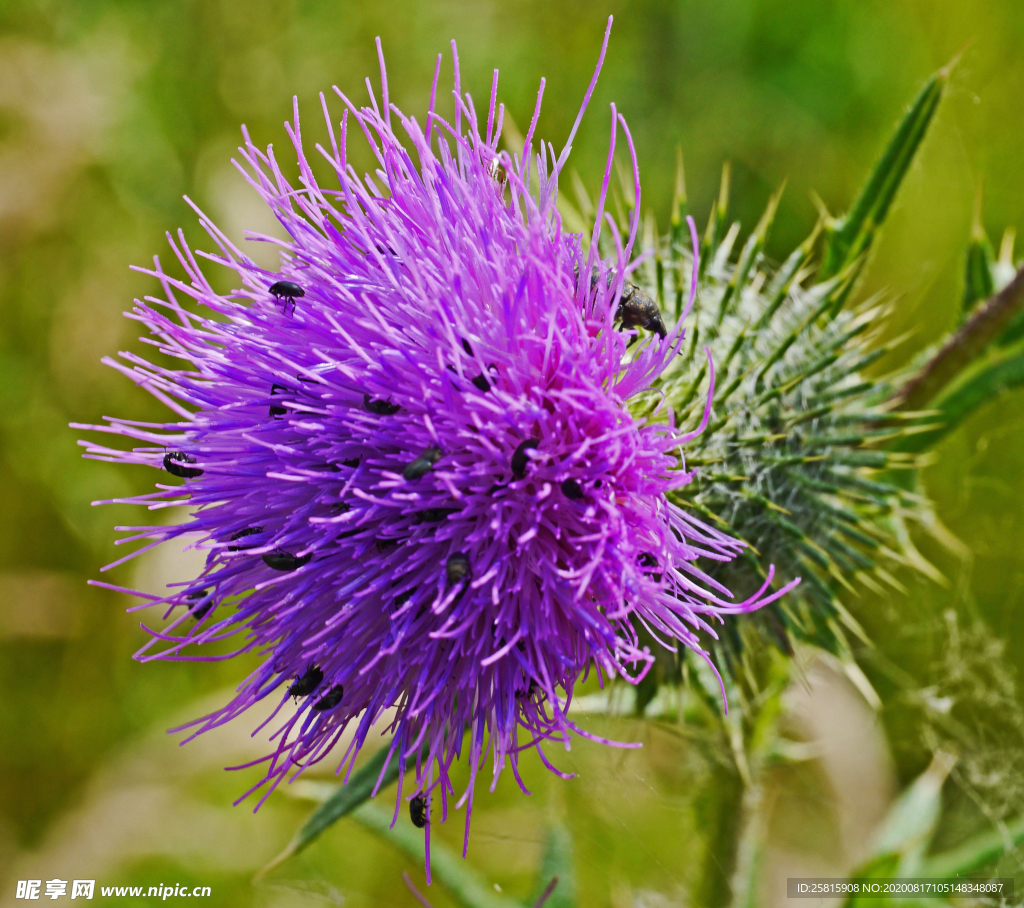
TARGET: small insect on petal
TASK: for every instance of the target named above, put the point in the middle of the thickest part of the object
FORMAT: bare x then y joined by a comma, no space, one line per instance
306,683
497,173
528,693
286,290
637,310
519,458
173,465
331,699
200,609
456,568
422,464
275,411
435,515
650,561
572,489
418,811
379,406
284,561
241,534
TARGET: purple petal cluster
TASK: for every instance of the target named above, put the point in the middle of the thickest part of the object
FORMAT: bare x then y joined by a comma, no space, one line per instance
409,455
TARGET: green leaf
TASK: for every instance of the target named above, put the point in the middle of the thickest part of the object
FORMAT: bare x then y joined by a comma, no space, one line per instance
911,821
850,236
1014,332
885,867
904,833
344,800
557,864
879,867
981,851
978,852
453,872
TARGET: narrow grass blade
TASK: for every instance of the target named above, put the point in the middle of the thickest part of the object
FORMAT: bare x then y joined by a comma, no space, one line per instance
557,864
977,852
346,799
456,874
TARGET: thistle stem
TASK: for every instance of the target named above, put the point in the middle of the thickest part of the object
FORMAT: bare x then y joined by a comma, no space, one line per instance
987,323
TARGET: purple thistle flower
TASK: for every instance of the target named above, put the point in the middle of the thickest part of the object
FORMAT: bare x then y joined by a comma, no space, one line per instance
410,458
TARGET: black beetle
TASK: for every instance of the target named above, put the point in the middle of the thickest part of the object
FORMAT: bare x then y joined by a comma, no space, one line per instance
276,411
329,700
422,464
173,464
519,458
456,567
284,561
241,534
418,811
288,291
572,489
307,682
649,560
435,515
528,693
380,406
484,382
200,609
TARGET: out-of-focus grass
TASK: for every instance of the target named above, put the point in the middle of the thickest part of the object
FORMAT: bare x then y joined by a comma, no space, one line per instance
110,111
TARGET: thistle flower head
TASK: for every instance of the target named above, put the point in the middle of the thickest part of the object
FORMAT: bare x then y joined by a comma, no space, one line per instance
410,458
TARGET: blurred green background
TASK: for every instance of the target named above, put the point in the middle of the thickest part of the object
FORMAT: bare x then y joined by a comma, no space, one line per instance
111,110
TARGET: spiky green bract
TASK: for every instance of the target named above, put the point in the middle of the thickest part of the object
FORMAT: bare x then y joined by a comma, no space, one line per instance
799,457
979,277
791,460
